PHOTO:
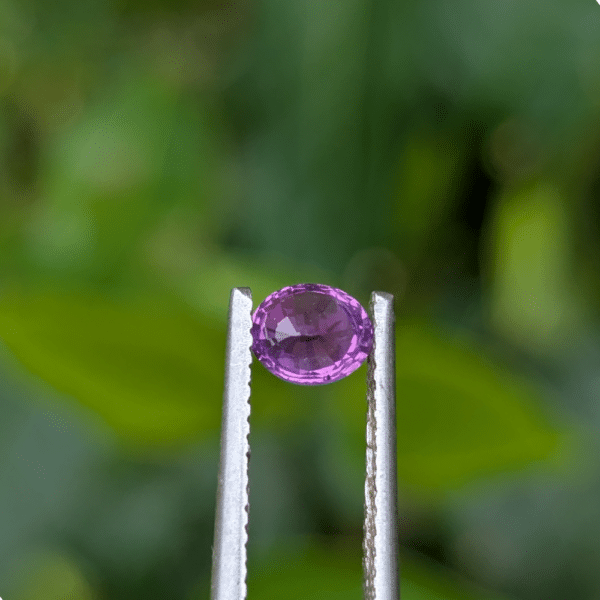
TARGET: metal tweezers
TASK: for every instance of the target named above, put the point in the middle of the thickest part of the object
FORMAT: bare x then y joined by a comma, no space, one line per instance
380,546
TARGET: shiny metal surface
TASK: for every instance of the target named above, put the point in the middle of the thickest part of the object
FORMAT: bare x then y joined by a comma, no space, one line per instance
380,546
231,518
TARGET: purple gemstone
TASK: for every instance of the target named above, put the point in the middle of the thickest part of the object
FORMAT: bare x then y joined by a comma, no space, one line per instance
311,334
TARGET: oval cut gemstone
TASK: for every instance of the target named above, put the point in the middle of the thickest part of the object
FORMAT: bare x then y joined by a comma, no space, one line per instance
311,334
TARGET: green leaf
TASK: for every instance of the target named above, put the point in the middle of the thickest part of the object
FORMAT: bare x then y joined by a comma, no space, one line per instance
424,580
460,414
147,367
306,572
48,576
146,150
531,295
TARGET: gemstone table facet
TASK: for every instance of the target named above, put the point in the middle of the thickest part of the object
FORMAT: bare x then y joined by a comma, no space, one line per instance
311,334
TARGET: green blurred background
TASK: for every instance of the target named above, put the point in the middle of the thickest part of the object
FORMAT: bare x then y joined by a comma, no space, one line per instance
155,154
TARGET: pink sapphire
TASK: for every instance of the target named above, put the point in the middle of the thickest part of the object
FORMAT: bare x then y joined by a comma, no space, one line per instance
311,334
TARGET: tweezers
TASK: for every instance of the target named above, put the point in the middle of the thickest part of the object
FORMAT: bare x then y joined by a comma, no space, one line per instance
380,545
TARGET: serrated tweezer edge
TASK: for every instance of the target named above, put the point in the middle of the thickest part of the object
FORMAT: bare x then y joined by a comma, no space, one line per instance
380,545
229,568
380,548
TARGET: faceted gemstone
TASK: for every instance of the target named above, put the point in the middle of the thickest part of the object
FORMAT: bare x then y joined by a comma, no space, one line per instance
311,334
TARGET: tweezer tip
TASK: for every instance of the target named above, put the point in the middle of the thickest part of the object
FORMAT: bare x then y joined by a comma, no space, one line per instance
244,291
386,296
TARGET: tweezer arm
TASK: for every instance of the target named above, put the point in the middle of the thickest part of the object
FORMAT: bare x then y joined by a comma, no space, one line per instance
231,518
380,547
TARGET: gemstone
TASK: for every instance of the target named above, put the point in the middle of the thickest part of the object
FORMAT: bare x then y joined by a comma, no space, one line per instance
311,334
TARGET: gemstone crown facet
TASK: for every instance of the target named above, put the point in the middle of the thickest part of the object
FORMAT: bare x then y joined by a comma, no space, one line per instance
311,334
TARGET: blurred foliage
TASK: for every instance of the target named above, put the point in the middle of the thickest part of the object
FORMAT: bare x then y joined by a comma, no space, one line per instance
532,297
153,155
140,367
316,570
50,575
